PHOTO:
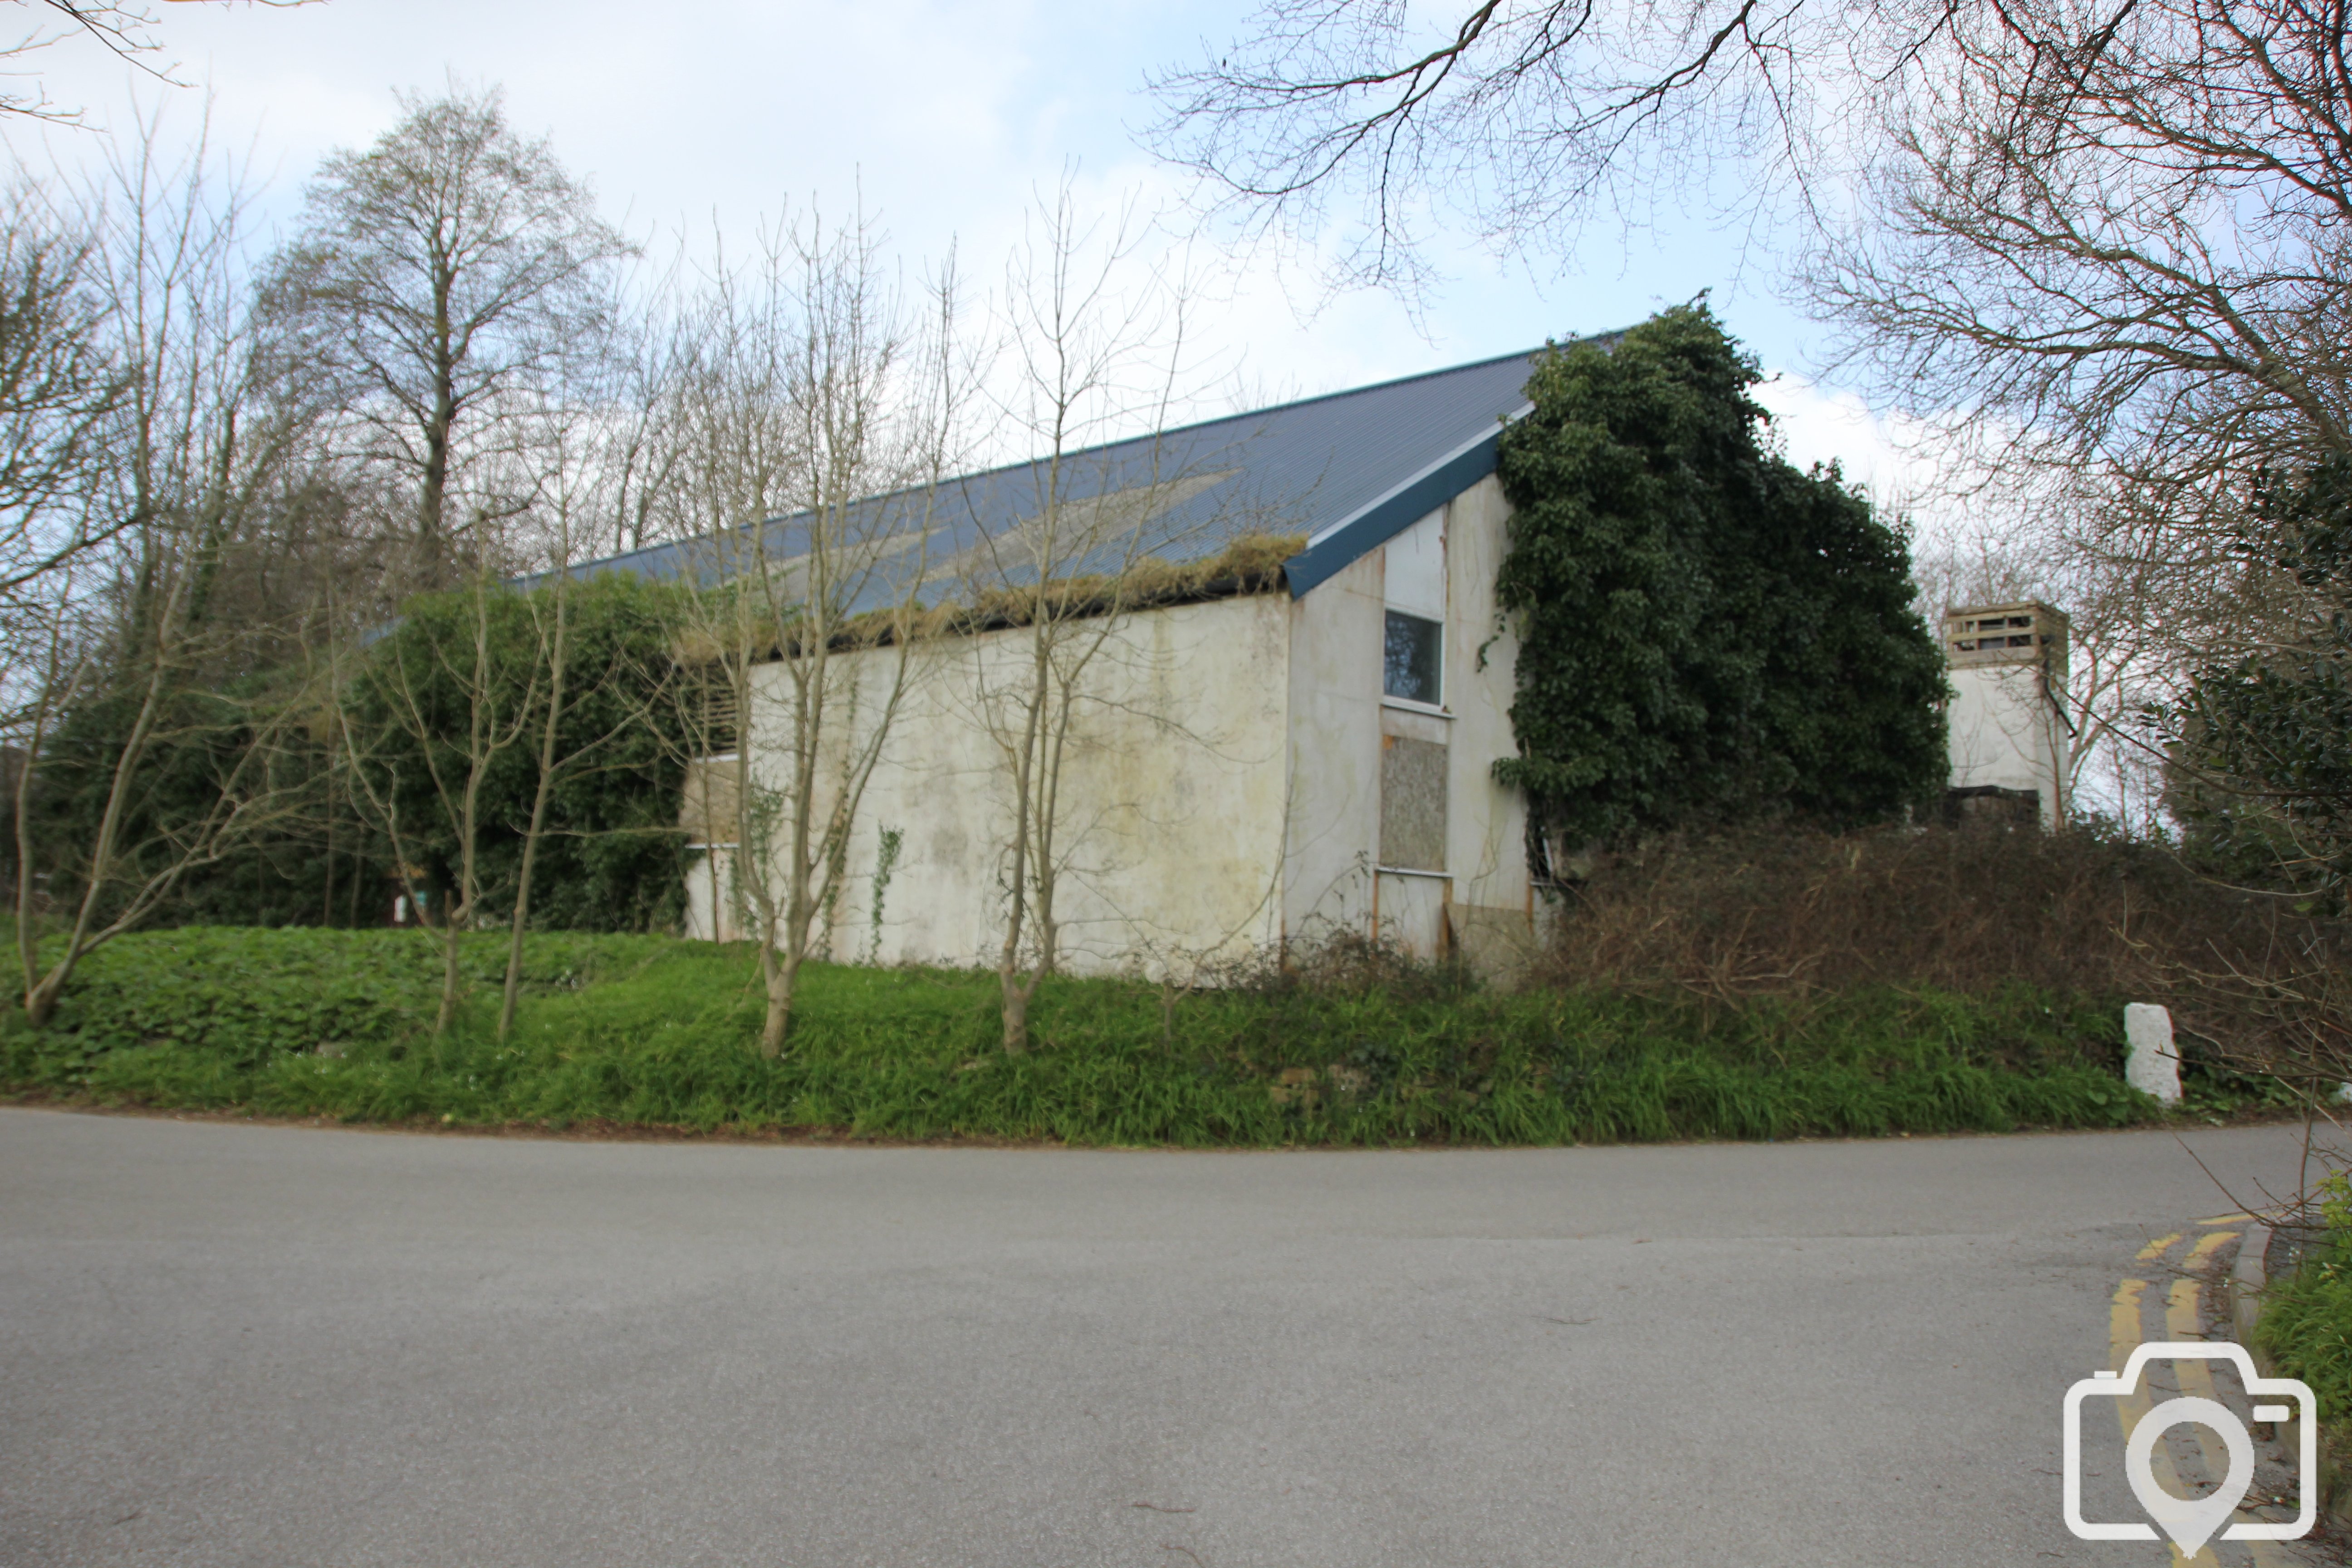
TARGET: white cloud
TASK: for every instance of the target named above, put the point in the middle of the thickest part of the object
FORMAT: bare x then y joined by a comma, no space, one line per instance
1905,463
946,115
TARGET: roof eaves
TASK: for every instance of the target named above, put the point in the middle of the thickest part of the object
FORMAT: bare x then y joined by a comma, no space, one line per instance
1380,519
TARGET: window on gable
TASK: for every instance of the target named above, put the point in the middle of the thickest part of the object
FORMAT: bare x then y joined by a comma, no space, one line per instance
1413,659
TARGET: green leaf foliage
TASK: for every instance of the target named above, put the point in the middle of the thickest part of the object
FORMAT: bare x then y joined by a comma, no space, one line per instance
307,866
1707,634
2306,1320
2263,774
610,858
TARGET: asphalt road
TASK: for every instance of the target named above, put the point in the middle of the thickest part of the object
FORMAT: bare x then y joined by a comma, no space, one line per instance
259,1345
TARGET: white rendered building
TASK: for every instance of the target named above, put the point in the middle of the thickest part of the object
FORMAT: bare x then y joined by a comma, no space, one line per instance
2006,723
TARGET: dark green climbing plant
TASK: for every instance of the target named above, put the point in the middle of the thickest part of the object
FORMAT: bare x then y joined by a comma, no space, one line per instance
1707,634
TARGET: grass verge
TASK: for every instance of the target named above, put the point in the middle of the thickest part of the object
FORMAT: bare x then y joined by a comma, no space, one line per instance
655,1032
2306,1326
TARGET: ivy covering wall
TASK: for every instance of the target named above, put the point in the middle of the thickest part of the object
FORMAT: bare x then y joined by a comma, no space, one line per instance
1707,634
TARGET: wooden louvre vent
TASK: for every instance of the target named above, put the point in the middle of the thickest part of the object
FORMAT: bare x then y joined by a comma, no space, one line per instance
721,720
2004,634
708,809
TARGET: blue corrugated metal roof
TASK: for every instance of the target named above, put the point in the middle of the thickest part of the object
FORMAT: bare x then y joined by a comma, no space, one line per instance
1349,470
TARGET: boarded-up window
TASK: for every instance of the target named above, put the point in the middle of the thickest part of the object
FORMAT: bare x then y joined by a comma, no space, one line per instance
1413,804
707,813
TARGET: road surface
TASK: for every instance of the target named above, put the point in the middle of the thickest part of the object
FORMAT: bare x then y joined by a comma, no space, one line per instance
224,1343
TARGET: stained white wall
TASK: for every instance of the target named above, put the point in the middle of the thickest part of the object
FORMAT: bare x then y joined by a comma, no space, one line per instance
1223,789
1412,568
2002,730
1334,782
1486,840
1444,567
1172,795
710,914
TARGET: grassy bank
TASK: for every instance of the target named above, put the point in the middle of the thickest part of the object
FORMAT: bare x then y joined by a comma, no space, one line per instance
651,1031
2307,1322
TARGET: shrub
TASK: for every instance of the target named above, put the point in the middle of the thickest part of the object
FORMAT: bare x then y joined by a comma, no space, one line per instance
1731,917
610,858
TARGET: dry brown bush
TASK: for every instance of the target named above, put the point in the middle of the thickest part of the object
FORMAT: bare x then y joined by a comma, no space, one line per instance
2254,983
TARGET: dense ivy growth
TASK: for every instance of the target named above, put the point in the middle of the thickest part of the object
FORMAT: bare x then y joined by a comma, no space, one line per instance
1707,633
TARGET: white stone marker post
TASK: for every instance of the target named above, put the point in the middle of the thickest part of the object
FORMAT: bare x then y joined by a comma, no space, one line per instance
2150,1064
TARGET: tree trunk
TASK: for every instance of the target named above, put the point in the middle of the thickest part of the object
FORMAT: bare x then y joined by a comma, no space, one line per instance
1015,990
1016,993
431,506
1047,875
521,909
456,914
433,503
41,1001
782,975
451,978
29,947
481,731
538,804
41,996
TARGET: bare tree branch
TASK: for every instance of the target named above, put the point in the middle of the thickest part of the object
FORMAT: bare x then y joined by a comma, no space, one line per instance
126,30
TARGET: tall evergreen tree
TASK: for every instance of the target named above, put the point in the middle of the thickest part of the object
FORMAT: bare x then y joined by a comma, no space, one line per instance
1707,633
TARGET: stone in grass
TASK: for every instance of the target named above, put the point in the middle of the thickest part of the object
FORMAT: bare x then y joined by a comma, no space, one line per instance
2150,1063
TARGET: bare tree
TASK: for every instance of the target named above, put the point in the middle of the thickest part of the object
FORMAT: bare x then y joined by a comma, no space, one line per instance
132,863
2113,239
1528,117
815,414
446,271
2109,244
191,442
1096,350
634,370
593,479
45,675
550,621
450,692
60,387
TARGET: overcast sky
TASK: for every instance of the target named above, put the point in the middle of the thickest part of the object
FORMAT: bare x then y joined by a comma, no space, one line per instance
947,115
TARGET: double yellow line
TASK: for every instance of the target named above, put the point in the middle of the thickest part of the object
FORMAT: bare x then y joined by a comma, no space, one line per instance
2183,1320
